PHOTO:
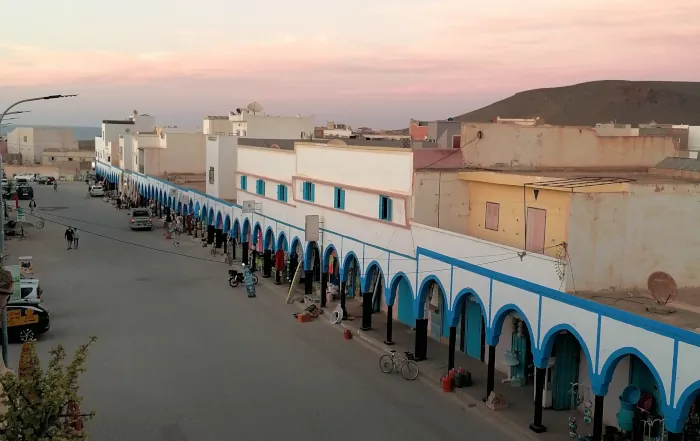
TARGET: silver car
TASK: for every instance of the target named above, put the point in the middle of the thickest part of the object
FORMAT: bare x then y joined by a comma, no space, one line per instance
141,219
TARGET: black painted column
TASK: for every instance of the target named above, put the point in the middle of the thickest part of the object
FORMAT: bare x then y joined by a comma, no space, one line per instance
491,371
267,263
308,282
421,350
598,418
451,353
278,277
675,436
254,259
343,287
233,249
324,289
244,254
366,311
536,425
389,325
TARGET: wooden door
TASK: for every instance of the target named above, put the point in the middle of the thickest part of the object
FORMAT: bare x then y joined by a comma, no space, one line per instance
535,231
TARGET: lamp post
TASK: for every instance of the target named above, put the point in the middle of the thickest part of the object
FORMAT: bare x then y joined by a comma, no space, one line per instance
2,232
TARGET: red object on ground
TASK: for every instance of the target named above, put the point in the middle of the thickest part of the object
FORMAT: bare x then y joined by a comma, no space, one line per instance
347,335
451,374
16,198
446,383
279,260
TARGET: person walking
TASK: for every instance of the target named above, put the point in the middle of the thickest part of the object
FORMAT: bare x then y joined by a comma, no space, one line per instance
55,185
32,206
69,237
75,238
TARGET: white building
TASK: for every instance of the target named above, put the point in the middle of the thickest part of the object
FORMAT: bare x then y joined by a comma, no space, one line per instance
107,146
168,151
221,157
31,142
245,123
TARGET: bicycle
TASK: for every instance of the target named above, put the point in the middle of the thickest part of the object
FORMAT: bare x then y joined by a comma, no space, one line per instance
405,364
40,223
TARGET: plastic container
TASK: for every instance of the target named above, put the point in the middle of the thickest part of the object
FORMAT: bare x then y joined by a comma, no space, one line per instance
630,397
446,383
347,334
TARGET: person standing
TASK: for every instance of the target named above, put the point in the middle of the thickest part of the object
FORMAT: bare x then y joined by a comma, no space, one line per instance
75,238
32,206
69,237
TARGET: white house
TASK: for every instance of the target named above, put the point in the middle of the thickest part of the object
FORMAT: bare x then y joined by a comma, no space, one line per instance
245,123
107,145
31,142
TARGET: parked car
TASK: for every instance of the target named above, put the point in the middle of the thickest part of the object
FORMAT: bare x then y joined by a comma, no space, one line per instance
30,177
30,292
97,190
25,191
27,322
141,219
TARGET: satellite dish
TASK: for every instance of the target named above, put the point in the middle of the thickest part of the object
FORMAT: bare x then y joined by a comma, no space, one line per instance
255,107
275,146
238,110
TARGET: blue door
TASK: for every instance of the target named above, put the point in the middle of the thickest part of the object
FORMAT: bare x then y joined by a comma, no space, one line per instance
474,337
641,376
568,353
405,300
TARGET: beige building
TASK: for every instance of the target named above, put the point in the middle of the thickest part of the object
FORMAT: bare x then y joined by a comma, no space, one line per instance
245,123
30,142
169,151
60,157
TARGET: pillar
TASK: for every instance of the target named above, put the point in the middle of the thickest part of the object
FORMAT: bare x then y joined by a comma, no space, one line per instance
675,436
389,325
451,352
278,277
267,263
211,231
244,253
366,311
421,350
324,289
491,371
233,248
598,418
308,282
343,287
536,425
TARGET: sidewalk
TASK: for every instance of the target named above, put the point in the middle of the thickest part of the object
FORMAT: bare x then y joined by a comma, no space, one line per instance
515,419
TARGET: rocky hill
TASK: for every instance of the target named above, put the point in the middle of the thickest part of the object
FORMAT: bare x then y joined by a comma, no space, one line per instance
601,101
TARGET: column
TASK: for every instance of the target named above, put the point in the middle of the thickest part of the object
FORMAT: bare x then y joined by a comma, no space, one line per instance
598,418
491,371
308,282
675,436
389,325
451,352
366,311
421,350
343,286
324,289
244,254
267,263
254,259
536,425
233,248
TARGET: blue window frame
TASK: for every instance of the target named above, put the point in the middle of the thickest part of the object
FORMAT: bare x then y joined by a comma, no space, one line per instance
339,198
260,187
244,182
385,208
281,192
308,189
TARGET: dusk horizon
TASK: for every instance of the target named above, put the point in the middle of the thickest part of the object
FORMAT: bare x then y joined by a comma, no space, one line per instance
401,60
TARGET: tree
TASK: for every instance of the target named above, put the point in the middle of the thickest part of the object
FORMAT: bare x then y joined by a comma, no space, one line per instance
44,406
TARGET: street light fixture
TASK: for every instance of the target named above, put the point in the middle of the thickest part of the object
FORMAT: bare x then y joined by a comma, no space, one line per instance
15,112
2,233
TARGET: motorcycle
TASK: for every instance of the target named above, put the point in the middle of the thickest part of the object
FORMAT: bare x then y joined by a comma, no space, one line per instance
235,278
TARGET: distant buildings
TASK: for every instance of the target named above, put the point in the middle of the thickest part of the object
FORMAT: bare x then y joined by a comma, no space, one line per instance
245,123
25,145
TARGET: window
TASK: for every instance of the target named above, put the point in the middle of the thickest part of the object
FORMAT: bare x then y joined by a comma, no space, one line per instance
536,224
211,175
70,159
260,187
53,158
385,208
244,182
339,200
457,142
492,215
238,132
281,192
25,139
308,189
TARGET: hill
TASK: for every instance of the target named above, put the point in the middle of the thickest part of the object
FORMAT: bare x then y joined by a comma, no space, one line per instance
586,104
79,133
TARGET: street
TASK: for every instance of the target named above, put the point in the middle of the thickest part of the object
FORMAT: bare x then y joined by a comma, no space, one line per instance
182,356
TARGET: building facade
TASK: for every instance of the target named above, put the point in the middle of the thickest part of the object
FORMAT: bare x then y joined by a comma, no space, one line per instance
442,282
30,142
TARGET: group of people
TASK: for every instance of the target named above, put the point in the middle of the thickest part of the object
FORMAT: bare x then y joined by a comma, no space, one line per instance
72,236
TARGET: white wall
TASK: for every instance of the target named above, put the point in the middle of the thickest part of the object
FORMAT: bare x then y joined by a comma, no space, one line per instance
694,138
278,165
222,154
278,127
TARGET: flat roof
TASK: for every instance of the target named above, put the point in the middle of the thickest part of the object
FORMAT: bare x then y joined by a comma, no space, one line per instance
117,121
640,176
288,144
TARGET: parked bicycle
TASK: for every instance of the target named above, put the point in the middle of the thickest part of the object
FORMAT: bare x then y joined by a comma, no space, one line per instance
405,364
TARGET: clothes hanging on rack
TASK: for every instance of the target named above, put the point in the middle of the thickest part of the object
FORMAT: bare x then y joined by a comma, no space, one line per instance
331,264
279,260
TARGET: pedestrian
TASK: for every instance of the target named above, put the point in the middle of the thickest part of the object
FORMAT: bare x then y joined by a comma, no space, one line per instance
55,185
32,206
75,238
69,237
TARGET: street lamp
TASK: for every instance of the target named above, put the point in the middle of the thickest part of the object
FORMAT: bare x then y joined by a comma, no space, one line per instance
2,233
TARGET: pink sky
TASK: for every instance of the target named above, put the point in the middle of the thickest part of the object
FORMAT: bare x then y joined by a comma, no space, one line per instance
372,64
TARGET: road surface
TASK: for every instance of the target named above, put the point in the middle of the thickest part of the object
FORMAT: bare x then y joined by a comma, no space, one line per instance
182,356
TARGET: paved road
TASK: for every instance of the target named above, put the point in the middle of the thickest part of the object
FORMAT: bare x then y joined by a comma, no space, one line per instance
182,356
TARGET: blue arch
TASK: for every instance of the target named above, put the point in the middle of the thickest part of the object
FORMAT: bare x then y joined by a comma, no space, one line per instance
601,382
366,277
246,230
236,229
493,332
191,210
219,220
390,294
170,202
179,207
419,301
452,314
675,418
210,218
308,255
269,239
203,213
254,237
550,338
296,243
227,223
196,210
346,265
327,256
282,242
